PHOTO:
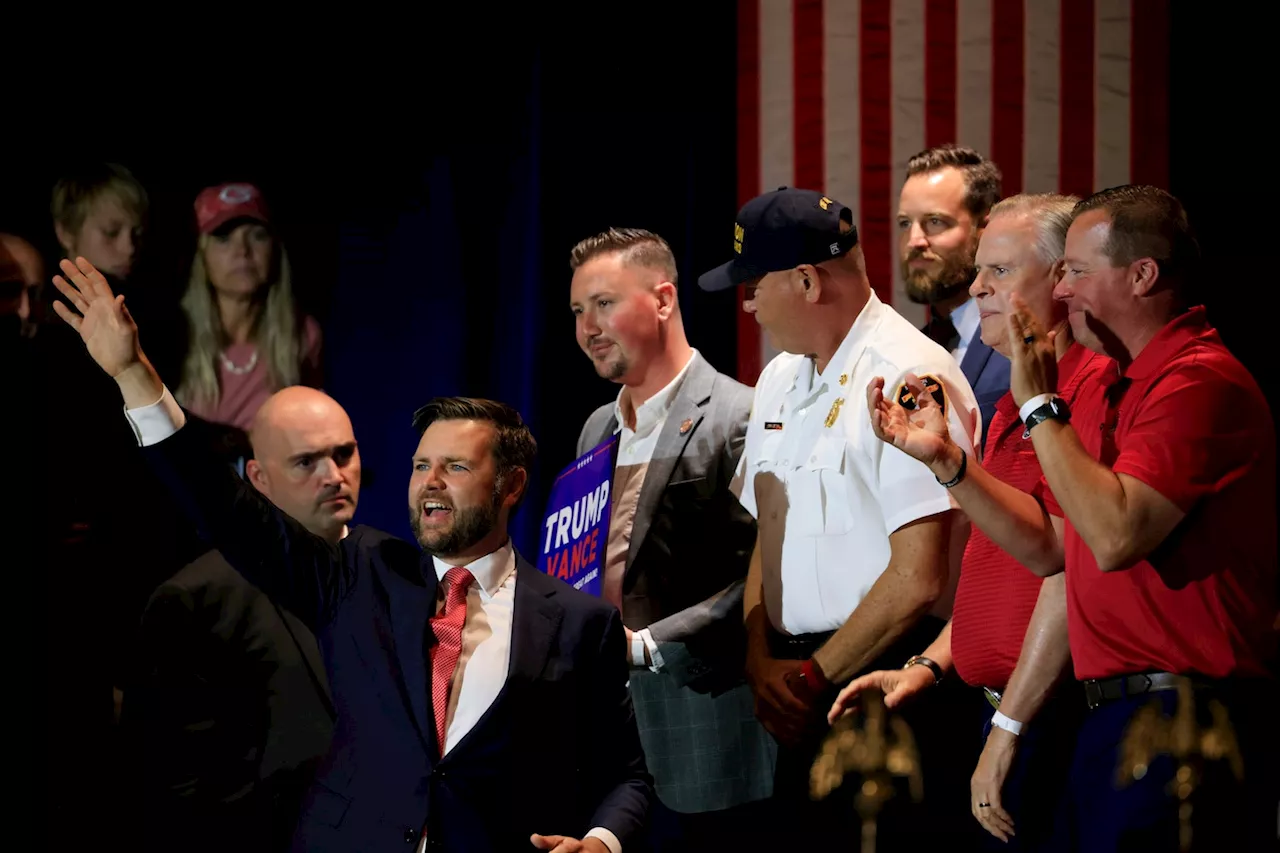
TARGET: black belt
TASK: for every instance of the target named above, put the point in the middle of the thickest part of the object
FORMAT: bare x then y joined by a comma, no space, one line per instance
1098,691
796,646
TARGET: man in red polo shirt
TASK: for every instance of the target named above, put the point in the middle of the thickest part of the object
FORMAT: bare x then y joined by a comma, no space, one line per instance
988,642
1165,475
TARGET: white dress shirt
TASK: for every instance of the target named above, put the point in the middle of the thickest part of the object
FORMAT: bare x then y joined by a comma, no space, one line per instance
486,635
486,639
824,490
635,448
967,318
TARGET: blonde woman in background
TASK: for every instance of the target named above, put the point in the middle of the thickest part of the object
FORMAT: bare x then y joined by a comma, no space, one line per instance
247,338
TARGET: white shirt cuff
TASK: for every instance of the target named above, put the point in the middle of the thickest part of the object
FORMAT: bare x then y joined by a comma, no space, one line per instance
655,657
154,423
1034,403
610,840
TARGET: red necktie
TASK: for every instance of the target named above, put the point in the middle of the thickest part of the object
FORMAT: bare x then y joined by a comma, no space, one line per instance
447,626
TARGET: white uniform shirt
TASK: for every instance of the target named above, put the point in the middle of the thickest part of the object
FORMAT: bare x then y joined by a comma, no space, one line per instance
825,491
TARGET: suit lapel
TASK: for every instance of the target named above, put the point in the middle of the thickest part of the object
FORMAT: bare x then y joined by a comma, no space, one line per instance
534,624
610,427
535,621
688,407
975,359
408,642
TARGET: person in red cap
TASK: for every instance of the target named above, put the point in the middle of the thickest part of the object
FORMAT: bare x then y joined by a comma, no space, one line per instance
248,338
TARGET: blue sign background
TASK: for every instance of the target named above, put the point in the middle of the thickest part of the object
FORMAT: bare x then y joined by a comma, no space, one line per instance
575,531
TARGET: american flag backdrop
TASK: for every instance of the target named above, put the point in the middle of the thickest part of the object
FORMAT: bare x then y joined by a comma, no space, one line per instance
836,95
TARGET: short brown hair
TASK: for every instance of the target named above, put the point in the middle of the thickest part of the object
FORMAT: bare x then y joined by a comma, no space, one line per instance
640,247
76,192
514,446
1146,222
982,178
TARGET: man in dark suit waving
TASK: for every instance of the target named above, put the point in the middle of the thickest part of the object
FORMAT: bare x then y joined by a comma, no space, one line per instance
679,543
231,711
478,700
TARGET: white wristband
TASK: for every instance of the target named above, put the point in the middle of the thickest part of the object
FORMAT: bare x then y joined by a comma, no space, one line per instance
1034,403
1009,725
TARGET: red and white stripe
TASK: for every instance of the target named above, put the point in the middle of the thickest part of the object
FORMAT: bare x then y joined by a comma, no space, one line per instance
836,95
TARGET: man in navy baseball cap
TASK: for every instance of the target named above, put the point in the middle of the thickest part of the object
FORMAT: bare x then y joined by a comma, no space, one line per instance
829,596
781,230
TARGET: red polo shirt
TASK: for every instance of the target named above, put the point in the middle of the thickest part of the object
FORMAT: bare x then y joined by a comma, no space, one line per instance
996,594
1189,421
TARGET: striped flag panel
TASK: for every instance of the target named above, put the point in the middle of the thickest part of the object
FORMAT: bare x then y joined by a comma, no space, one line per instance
836,95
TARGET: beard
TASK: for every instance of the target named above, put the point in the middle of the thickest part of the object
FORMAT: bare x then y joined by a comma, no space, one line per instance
931,286
470,525
614,369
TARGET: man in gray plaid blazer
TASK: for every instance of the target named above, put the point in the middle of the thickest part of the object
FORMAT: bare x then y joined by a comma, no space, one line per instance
679,543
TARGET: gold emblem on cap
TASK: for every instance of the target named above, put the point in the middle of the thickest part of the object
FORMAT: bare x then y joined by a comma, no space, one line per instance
824,202
844,377
686,425
834,413
738,234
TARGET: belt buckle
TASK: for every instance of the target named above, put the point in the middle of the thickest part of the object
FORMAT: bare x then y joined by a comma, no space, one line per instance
993,697
1092,694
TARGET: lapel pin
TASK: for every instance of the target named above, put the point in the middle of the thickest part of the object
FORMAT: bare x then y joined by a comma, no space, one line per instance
844,377
834,413
686,425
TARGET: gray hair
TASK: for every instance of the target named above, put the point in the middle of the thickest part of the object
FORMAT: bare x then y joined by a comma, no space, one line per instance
1051,213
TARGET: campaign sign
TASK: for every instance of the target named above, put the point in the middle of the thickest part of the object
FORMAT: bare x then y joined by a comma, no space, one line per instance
576,531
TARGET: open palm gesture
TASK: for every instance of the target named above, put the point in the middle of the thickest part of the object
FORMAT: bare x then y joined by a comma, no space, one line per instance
921,432
104,324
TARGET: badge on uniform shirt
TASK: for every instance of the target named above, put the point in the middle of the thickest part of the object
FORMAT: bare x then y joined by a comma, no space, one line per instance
834,413
908,401
773,424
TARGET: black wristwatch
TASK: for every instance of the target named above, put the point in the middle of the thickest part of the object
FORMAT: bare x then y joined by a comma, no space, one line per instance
1054,410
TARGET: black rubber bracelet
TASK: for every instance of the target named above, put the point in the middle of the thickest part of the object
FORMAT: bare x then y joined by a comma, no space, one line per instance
964,464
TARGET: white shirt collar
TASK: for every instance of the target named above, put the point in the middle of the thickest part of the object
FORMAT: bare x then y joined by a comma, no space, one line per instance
855,341
490,571
966,319
654,410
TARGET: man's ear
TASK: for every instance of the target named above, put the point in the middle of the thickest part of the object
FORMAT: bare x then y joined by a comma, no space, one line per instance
667,297
255,474
1144,275
513,487
810,281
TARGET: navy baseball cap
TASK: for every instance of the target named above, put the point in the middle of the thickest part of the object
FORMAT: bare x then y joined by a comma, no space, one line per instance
781,230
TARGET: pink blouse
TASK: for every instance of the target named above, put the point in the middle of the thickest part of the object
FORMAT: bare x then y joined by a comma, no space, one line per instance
243,391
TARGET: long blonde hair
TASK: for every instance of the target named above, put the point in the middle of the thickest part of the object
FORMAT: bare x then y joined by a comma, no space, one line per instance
277,331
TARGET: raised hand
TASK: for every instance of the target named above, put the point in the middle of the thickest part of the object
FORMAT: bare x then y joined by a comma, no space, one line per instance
920,433
897,685
1033,362
104,324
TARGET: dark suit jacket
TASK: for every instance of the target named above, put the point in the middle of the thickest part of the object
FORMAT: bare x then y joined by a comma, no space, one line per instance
988,375
690,545
230,713
556,753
